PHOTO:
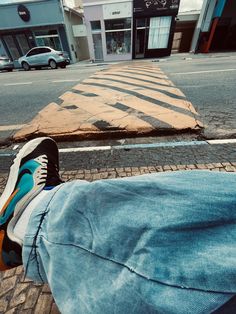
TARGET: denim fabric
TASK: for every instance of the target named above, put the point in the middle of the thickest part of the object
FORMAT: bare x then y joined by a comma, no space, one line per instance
159,243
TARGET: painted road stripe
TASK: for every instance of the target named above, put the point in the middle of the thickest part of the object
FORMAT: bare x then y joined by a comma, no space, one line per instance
226,141
137,146
11,127
84,149
102,111
64,81
199,72
176,93
172,114
15,84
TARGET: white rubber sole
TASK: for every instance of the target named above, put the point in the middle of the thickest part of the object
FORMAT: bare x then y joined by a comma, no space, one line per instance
12,178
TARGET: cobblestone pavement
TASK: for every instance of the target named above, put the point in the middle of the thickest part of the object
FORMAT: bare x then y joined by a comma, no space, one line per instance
19,295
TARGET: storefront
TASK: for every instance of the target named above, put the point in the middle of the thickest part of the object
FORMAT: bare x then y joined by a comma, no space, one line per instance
109,30
153,27
36,23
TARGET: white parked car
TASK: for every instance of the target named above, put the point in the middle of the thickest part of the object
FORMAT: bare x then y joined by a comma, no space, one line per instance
6,64
44,56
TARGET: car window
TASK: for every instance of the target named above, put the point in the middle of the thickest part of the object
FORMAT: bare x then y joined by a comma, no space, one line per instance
32,52
44,50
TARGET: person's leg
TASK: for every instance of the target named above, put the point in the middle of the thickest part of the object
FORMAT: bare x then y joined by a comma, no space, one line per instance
162,243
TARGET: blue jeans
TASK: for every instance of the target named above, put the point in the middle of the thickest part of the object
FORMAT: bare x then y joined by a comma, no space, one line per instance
158,243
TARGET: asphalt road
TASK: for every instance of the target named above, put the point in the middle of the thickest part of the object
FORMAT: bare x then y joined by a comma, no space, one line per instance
24,94
209,83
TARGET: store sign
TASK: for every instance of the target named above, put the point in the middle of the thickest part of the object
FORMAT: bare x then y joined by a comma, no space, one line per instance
117,10
151,6
79,30
23,12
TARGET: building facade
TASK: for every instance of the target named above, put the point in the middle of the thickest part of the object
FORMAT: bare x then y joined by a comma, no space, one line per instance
109,27
24,25
125,29
153,27
185,26
216,28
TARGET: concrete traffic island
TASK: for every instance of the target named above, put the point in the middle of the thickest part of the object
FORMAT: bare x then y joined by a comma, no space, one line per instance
128,99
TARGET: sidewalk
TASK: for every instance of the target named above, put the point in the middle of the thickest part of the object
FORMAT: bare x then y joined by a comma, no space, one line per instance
22,296
133,98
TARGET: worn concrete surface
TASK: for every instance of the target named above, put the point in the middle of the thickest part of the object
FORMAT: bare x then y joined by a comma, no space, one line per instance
131,98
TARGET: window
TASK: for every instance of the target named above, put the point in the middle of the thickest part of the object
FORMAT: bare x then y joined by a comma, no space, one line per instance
118,36
96,26
159,32
44,50
33,52
48,38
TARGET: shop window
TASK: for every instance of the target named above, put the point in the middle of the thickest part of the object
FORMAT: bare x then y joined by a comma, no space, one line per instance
48,38
23,43
159,32
95,26
11,45
118,36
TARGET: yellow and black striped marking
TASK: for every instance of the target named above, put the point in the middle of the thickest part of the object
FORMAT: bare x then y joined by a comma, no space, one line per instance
132,97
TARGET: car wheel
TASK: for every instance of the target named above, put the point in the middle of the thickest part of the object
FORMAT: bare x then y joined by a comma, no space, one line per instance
25,66
52,64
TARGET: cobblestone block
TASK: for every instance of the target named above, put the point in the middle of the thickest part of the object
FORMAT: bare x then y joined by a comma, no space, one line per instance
191,167
159,169
181,167
217,165
19,270
7,285
9,273
31,298
19,295
12,311
55,309
201,166
230,169
44,304
226,164
3,305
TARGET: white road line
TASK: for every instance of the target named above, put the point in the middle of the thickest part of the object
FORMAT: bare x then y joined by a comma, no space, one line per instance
64,81
84,149
149,145
11,127
14,84
200,72
136,146
226,141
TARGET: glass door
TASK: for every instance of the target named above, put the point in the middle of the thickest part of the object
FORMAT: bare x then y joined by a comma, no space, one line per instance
140,38
97,44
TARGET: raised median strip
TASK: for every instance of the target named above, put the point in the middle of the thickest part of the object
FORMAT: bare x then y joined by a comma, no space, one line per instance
128,99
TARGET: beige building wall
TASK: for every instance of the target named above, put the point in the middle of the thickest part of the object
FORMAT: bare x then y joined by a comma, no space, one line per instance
78,45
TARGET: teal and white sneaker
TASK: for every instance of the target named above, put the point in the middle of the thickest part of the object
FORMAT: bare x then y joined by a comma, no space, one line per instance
36,167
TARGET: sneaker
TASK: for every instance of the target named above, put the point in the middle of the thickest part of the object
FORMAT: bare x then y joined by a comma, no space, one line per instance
35,167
